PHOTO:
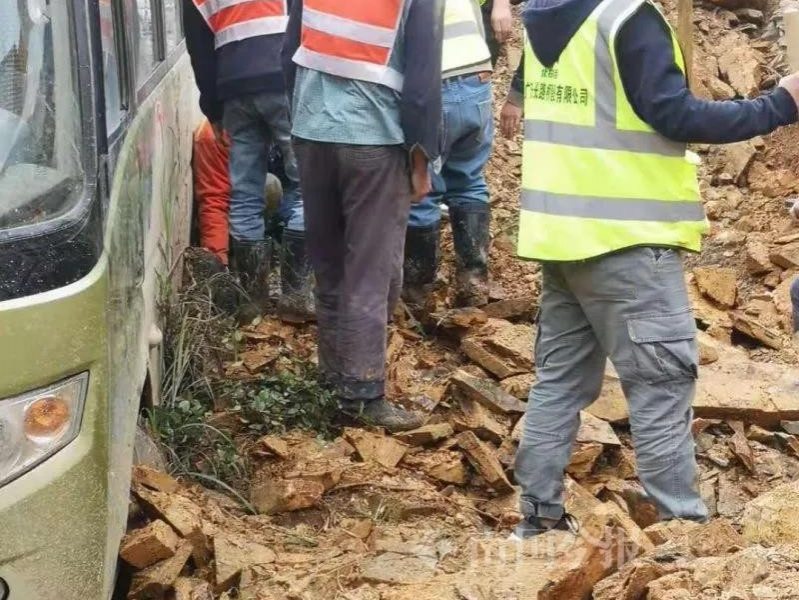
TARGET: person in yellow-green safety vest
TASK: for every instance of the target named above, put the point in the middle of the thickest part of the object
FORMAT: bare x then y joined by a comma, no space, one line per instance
468,135
610,199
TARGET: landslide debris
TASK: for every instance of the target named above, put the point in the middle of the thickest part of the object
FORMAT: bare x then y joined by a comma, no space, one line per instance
300,506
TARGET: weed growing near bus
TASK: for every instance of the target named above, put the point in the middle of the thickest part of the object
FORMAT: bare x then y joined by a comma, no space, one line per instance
208,424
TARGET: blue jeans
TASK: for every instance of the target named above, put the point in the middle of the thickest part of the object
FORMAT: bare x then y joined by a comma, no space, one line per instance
468,136
253,123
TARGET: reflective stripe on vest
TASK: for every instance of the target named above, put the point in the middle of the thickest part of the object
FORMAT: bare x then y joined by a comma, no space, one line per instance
235,20
352,39
464,44
595,177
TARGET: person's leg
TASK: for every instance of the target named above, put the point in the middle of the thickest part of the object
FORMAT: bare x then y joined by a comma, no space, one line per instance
250,249
376,197
467,190
422,255
249,145
325,245
569,365
638,305
795,303
296,300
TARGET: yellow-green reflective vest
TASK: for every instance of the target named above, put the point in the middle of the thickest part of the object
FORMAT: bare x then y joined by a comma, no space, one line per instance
464,44
596,178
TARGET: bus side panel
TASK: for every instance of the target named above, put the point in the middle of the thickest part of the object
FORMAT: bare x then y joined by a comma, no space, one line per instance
147,223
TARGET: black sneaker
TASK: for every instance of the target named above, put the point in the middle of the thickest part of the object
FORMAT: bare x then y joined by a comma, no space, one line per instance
531,526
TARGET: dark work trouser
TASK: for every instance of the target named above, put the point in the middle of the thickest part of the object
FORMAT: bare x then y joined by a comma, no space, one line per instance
357,200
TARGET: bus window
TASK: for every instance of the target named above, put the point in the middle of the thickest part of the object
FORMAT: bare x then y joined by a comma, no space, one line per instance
173,24
114,110
145,40
40,136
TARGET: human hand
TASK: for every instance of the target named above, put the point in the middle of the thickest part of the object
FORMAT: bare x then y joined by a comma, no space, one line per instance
421,183
791,85
502,20
509,119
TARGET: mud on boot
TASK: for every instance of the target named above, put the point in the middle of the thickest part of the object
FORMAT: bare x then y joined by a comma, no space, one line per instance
208,271
251,263
382,413
470,233
420,264
296,303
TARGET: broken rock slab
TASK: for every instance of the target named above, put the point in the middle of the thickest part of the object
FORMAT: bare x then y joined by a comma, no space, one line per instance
512,308
752,328
487,393
584,458
501,347
594,429
426,435
187,588
773,518
479,420
519,386
666,531
144,547
460,318
273,496
786,256
718,284
611,406
739,389
398,569
157,580
757,258
385,451
155,480
233,554
484,461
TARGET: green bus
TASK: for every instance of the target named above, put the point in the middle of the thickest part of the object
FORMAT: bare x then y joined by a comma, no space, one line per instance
97,109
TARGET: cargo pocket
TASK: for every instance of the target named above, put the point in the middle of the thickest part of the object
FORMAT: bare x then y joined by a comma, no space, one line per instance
664,346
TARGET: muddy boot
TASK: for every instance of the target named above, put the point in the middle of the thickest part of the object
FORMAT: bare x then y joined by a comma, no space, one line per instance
209,271
421,264
382,413
296,304
251,263
470,232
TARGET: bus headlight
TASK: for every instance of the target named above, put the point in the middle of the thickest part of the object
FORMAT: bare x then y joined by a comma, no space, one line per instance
37,424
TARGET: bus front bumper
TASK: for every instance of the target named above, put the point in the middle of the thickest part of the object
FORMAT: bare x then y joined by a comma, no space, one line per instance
53,519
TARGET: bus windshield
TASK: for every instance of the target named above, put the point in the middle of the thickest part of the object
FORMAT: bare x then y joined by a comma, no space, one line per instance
41,175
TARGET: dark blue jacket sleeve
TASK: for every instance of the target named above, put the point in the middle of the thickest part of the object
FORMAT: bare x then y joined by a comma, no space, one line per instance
290,44
420,104
200,44
658,91
516,92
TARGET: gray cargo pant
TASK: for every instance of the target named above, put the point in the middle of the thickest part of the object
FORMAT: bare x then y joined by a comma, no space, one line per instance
357,200
631,306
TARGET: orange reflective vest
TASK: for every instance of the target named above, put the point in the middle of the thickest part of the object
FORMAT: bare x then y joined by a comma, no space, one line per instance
234,20
351,38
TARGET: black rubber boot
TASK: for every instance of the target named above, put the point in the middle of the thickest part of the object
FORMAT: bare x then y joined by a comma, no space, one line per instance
251,263
382,413
421,263
210,272
470,232
296,304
